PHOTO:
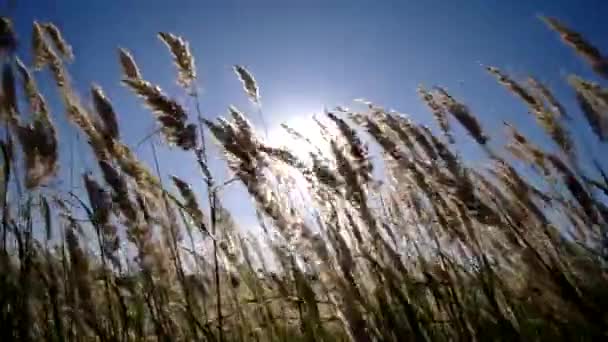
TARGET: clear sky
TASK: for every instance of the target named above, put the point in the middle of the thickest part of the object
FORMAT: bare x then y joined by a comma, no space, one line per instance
310,53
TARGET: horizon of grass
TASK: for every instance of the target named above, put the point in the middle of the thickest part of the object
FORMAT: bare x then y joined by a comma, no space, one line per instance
386,234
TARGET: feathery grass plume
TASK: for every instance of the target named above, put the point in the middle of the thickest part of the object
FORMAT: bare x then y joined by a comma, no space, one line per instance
235,142
515,185
593,100
376,130
39,47
80,273
186,137
463,115
525,150
80,117
516,89
30,89
128,65
545,118
284,155
590,53
183,58
129,164
58,70
40,145
421,135
576,188
249,84
438,112
120,192
556,131
99,199
191,204
104,109
450,159
546,93
325,174
357,149
170,114
244,125
114,179
57,38
38,106
42,162
160,103
401,127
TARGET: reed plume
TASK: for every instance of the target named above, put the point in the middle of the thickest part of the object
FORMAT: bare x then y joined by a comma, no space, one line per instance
438,112
182,57
463,115
191,204
593,100
127,62
249,84
577,41
170,114
104,109
58,41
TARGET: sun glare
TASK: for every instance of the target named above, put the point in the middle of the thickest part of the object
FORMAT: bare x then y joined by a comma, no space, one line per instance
285,133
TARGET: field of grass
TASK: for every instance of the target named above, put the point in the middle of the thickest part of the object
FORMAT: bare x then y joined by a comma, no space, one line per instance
384,234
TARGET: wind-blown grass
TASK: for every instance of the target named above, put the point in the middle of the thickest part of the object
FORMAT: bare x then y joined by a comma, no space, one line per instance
433,250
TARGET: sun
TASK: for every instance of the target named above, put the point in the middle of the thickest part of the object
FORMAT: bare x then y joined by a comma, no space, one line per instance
302,133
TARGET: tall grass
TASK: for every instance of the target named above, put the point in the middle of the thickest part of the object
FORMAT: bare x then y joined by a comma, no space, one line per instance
433,249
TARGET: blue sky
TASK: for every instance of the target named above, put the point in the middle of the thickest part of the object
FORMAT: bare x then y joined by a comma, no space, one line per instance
307,54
